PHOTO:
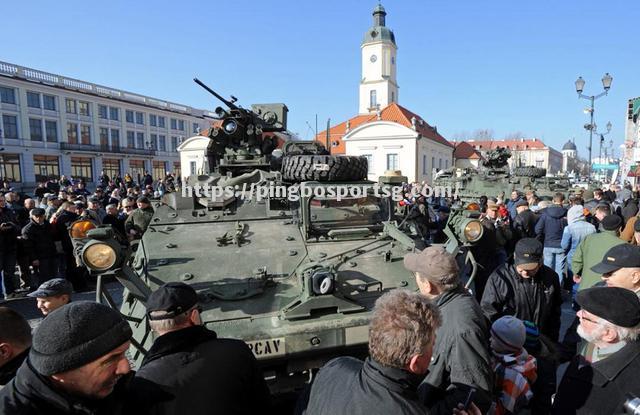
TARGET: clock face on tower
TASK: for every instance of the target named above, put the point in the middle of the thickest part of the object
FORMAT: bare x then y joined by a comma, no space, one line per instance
373,58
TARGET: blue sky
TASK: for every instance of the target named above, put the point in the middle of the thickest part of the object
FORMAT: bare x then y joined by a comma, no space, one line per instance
462,65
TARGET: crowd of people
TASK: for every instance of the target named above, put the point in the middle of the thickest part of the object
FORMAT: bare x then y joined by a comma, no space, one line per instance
440,350
34,230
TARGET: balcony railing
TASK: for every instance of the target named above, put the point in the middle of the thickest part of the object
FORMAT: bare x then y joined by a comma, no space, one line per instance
107,149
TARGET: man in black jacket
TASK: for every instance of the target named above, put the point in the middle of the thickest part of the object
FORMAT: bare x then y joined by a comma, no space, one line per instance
190,368
461,354
37,237
9,231
15,340
598,384
76,365
402,333
526,289
524,225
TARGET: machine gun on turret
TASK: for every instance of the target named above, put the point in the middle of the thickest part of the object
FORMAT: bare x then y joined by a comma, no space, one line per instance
243,140
498,158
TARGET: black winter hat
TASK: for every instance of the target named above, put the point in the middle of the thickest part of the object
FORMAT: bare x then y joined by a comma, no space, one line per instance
619,256
528,253
76,334
611,222
174,298
614,304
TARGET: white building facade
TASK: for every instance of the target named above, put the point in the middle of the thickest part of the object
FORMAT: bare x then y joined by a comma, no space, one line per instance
51,125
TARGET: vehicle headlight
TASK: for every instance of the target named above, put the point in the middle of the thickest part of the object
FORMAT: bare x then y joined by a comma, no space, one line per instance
230,126
99,256
473,230
79,229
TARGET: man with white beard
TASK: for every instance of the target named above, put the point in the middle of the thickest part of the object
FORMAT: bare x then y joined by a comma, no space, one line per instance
596,382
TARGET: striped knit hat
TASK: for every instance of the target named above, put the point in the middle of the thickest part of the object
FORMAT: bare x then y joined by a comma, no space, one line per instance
507,335
532,342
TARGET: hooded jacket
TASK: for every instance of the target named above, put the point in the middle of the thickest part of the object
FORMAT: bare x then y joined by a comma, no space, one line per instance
551,225
536,299
575,232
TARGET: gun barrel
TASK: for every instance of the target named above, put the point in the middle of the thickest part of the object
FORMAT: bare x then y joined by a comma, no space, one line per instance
229,104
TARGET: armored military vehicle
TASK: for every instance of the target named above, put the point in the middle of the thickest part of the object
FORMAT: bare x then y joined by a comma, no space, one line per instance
293,270
495,178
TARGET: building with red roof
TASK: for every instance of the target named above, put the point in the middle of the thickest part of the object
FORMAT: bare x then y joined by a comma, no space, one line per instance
389,135
524,152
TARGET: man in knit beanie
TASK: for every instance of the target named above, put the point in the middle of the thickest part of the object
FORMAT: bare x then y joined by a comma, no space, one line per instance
76,364
514,368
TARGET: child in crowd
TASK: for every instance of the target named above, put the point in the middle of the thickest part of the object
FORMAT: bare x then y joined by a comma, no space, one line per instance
514,369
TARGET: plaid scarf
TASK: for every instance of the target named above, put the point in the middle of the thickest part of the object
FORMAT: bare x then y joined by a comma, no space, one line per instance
514,376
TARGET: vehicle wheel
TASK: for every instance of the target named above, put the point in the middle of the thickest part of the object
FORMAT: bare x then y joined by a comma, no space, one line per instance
324,168
530,171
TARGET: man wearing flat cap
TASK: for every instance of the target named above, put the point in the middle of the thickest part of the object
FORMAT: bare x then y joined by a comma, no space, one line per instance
460,355
591,249
598,383
76,364
137,223
189,368
52,295
37,237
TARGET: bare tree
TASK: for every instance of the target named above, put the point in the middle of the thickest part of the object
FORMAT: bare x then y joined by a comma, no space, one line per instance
516,135
483,134
460,136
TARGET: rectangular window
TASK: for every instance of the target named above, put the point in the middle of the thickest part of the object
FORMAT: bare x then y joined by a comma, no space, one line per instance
35,129
181,125
129,115
131,139
85,134
72,133
114,113
7,95
139,118
446,164
111,167
51,129
162,141
539,164
140,140
392,161
174,143
192,168
115,139
439,164
49,102
373,101
174,124
424,165
71,106
159,170
102,112
46,167
33,99
10,167
433,163
104,137
161,122
153,120
10,126
154,141
84,108
196,128
82,168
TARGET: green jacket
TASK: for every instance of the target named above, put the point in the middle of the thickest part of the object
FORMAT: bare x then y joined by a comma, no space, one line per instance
139,220
589,253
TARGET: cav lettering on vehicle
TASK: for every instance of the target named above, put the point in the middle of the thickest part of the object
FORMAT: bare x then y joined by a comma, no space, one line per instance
267,348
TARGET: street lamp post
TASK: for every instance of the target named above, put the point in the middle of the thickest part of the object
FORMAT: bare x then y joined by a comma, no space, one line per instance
595,127
606,83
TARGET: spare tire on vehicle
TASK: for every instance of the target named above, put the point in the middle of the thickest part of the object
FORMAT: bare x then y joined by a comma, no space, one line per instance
324,168
530,171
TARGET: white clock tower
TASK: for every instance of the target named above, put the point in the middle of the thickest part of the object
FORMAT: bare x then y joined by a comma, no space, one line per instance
378,87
